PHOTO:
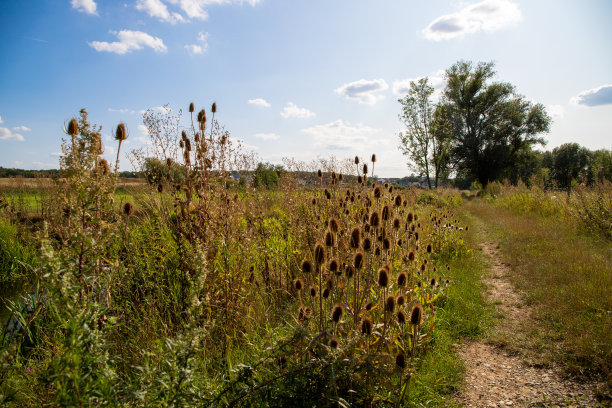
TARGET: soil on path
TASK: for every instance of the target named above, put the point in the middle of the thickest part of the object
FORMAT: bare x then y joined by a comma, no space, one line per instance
501,377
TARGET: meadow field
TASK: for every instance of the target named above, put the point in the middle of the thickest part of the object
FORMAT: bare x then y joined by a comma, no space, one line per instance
339,293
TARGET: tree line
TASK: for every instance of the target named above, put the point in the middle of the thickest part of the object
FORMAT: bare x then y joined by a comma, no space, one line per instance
481,130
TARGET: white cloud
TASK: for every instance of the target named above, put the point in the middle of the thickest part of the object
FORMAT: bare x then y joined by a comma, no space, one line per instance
487,15
143,129
267,136
85,6
198,48
556,111
7,134
129,41
436,80
196,9
364,90
340,135
1,121
257,102
21,129
157,9
594,97
130,111
293,111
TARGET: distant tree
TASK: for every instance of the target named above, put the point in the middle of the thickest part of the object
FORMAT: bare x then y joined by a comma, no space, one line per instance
601,166
570,161
157,171
491,125
419,143
267,175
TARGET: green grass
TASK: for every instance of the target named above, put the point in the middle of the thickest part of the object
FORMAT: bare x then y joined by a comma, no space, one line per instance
566,275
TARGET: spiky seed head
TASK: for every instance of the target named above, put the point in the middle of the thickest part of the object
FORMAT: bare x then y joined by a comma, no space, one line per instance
334,266
350,271
401,317
410,217
188,145
319,254
401,300
359,179
402,278
383,277
398,200
333,342
366,326
423,267
386,244
128,208
314,201
182,144
121,132
355,240
429,248
330,239
169,162
391,190
400,361
326,292
73,127
214,107
365,169
313,291
306,266
104,166
369,306
385,212
298,284
377,192
202,116
374,219
358,260
319,173
433,282
390,303
366,244
160,188
333,224
396,223
411,256
337,313
373,158
377,251
191,107
416,314
356,159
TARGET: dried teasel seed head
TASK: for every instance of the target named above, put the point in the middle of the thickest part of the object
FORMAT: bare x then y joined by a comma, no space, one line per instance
326,292
333,342
128,208
355,239
411,256
334,266
416,314
369,306
429,248
104,167
374,219
386,244
169,162
319,254
365,169
398,200
356,159
319,173
410,217
401,317
432,282
313,291
377,192
366,326
366,244
402,278
191,107
400,361
401,300
214,107
333,224
373,158
350,271
359,179
121,132
390,303
330,239
385,212
383,277
298,284
202,116
337,313
396,223
73,127
306,266
160,188
358,260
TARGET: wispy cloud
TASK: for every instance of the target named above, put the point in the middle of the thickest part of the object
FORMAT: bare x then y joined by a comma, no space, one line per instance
402,86
594,97
555,111
21,129
85,6
267,136
157,9
130,41
7,134
364,91
259,102
293,111
1,121
200,48
487,15
340,135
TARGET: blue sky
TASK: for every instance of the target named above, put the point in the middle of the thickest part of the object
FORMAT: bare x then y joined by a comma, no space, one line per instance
292,78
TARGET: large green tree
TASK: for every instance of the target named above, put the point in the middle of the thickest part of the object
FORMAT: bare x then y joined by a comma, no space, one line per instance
422,142
492,127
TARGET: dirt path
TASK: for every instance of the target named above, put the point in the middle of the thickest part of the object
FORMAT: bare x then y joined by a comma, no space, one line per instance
499,377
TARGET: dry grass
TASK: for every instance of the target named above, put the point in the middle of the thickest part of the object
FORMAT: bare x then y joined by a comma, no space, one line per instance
567,277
